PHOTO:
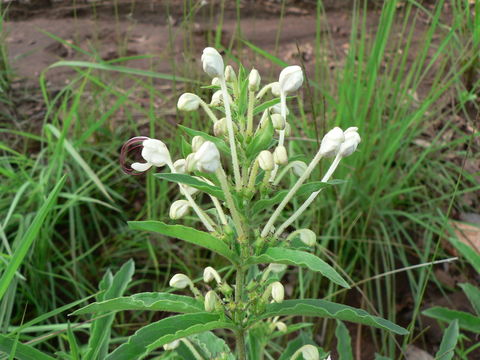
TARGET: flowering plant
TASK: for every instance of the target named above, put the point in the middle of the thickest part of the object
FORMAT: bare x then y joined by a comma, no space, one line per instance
241,169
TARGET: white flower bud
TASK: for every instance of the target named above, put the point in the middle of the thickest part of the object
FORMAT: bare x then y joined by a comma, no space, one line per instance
291,78
278,121
352,139
197,141
280,156
188,102
277,109
254,80
216,81
179,209
288,129
307,236
265,160
310,352
155,153
277,268
217,98
276,89
220,127
171,346
299,167
210,301
278,292
331,142
207,158
190,163
179,166
281,326
230,74
209,273
212,62
180,281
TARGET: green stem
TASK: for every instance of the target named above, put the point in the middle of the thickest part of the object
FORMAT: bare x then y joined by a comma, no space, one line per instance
251,103
240,333
240,344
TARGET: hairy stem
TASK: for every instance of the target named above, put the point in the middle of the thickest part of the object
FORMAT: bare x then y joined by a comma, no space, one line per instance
240,333
251,102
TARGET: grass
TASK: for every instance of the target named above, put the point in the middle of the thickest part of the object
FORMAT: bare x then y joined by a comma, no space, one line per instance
391,214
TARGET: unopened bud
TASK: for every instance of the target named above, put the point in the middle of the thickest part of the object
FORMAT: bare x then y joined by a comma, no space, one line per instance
276,89
299,167
179,166
281,326
209,273
310,352
277,109
278,121
216,81
207,158
212,62
352,139
291,78
254,80
277,268
190,163
288,129
179,209
197,141
280,156
220,127
210,301
180,281
278,292
188,102
331,142
230,74
172,345
308,237
265,160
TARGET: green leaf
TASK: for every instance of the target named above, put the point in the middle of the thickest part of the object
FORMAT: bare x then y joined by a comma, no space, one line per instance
344,342
216,140
271,58
327,309
264,106
187,234
449,341
471,255
473,294
21,351
193,182
162,332
211,346
114,287
28,238
261,140
302,339
466,320
148,301
298,258
305,189
380,357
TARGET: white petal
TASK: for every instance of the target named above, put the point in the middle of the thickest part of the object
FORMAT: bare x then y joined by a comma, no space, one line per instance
141,166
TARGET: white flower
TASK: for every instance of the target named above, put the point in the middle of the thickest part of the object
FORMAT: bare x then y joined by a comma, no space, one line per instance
230,74
278,292
210,301
291,78
220,127
276,89
308,237
216,81
209,273
197,141
179,209
265,160
179,166
190,163
281,326
278,121
155,153
280,155
212,62
277,109
217,98
188,102
180,281
331,142
310,352
171,346
277,268
207,158
254,80
299,167
352,139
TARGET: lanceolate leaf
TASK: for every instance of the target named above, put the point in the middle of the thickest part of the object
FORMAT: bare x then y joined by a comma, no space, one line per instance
344,342
473,294
162,332
449,341
298,258
22,351
149,301
187,234
466,320
327,309
193,182
217,141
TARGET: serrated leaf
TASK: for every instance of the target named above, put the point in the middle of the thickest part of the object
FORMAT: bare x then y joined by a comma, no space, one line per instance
148,301
187,234
261,140
327,309
466,320
449,341
303,190
162,332
344,342
298,258
21,351
193,182
217,141
473,295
